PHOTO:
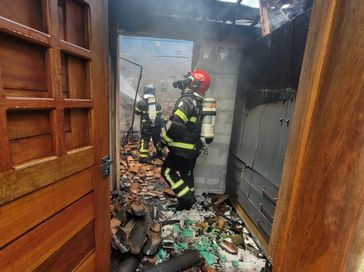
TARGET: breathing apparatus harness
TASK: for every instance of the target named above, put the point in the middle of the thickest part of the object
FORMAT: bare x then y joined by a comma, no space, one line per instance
199,81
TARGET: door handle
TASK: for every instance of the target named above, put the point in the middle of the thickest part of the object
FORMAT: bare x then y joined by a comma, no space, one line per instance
265,212
105,166
269,197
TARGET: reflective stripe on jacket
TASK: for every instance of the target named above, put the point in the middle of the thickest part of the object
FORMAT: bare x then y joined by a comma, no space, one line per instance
183,136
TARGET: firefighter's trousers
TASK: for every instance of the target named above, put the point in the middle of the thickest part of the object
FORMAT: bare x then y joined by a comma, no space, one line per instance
147,133
178,172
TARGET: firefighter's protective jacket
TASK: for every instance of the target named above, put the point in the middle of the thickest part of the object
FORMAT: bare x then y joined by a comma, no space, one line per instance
183,136
142,109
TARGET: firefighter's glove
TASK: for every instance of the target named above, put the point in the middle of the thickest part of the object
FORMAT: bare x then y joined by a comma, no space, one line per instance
160,146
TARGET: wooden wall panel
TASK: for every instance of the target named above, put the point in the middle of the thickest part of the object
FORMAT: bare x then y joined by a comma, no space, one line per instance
20,215
72,253
23,71
321,200
36,246
26,12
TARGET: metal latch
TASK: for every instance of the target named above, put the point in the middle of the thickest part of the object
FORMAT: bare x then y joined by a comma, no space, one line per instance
105,166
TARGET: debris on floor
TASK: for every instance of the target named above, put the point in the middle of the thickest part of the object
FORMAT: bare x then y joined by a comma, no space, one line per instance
148,234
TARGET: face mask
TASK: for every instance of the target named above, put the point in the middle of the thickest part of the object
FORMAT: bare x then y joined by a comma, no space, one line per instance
181,84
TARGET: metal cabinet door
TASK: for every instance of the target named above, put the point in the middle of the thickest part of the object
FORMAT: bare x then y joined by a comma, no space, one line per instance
249,139
238,122
271,143
245,180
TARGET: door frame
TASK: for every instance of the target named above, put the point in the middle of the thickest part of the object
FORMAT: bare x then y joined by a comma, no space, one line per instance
319,222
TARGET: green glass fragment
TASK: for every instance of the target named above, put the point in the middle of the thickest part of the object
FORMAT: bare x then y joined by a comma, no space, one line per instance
180,246
176,228
215,231
236,264
187,233
161,254
189,222
222,258
209,257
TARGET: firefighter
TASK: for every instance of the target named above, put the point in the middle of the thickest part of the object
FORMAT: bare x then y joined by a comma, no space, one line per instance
183,137
151,121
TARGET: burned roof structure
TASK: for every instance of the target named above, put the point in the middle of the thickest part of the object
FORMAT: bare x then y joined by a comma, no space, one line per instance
199,19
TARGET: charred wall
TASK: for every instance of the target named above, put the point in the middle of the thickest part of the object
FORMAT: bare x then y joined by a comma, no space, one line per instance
267,84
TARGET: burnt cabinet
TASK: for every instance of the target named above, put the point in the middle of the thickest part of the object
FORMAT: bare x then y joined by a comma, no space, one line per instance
249,137
262,150
269,153
268,82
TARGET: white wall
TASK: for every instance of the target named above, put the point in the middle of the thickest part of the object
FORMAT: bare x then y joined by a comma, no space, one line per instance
221,60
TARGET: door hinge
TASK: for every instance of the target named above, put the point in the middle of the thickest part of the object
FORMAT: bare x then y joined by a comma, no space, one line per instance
105,166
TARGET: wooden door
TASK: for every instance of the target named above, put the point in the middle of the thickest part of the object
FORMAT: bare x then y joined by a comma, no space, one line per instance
319,220
53,134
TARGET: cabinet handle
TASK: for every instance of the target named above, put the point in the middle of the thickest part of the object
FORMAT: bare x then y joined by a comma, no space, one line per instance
269,197
265,212
263,230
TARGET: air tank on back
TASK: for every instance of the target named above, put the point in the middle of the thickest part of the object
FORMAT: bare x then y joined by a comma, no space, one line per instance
208,119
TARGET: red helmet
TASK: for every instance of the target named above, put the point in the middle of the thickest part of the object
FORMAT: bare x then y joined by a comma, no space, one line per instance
200,81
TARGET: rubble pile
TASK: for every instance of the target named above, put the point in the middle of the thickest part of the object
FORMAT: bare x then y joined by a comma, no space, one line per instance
147,234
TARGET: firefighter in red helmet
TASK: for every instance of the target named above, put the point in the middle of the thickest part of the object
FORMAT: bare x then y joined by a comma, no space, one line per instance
183,137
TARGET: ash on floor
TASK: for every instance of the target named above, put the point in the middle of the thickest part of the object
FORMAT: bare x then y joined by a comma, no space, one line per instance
147,234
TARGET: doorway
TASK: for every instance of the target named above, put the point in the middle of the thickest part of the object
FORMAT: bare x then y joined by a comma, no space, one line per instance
143,61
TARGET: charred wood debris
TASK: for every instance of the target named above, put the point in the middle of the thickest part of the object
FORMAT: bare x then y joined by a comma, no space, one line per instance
147,234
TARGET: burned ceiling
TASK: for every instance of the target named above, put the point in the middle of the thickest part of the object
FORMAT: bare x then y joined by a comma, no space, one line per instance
212,10
189,19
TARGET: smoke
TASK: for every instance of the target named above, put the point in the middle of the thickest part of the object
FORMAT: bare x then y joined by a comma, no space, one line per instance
163,61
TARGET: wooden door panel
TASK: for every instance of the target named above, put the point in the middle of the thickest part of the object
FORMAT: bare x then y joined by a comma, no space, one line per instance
76,80
36,246
29,128
24,124
72,253
28,178
88,265
76,128
76,23
318,223
30,13
21,215
53,111
23,68
30,148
